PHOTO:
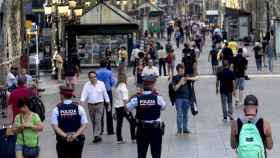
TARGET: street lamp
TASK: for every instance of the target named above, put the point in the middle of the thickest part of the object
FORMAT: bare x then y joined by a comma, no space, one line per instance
87,3
59,11
48,10
72,3
63,10
78,12
122,3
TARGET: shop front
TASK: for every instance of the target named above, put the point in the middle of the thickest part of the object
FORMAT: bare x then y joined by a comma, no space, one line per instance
237,23
212,17
110,29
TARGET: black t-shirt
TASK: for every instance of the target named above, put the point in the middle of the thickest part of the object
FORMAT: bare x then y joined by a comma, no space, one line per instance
240,65
181,30
227,54
184,91
189,60
216,39
187,50
226,78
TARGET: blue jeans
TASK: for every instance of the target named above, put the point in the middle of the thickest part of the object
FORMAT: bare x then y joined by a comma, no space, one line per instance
259,64
227,107
240,83
270,64
182,107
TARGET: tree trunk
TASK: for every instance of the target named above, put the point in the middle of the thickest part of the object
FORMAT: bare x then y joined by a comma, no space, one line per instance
12,36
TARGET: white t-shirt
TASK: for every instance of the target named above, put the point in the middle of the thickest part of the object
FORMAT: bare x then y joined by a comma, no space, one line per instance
11,80
245,52
134,54
162,54
147,71
121,94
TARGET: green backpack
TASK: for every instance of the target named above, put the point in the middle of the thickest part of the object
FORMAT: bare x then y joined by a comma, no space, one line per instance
250,142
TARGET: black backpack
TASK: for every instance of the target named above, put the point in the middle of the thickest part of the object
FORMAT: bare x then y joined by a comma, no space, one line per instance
38,107
172,93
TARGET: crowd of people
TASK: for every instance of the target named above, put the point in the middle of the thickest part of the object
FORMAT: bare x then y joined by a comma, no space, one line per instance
107,94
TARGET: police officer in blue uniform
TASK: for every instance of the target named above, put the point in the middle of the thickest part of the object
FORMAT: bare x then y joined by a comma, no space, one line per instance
150,129
69,120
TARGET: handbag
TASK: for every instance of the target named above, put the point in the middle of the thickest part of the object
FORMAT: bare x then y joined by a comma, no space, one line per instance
29,152
194,108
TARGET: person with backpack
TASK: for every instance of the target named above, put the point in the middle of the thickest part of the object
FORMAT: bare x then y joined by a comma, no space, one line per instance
69,120
181,86
19,92
226,53
27,127
250,134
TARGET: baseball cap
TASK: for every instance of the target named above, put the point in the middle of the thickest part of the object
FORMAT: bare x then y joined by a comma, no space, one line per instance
251,100
66,91
149,79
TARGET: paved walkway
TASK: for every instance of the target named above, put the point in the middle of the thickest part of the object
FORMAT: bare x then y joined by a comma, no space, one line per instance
209,137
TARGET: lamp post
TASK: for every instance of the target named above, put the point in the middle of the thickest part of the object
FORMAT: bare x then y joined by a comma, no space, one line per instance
267,15
122,4
58,11
224,4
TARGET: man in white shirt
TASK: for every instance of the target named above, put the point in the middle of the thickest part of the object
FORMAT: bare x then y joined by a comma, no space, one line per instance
150,70
134,57
11,80
94,93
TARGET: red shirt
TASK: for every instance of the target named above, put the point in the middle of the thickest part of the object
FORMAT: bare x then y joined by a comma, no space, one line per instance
18,93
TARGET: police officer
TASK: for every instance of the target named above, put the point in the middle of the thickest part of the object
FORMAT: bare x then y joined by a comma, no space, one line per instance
69,120
148,105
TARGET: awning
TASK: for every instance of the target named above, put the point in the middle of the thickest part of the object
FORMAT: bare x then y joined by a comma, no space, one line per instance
87,29
236,12
104,13
153,10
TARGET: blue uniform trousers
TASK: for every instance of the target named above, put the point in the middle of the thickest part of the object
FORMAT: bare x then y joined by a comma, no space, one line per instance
148,134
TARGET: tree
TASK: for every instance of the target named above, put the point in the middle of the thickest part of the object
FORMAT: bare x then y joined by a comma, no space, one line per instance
11,35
